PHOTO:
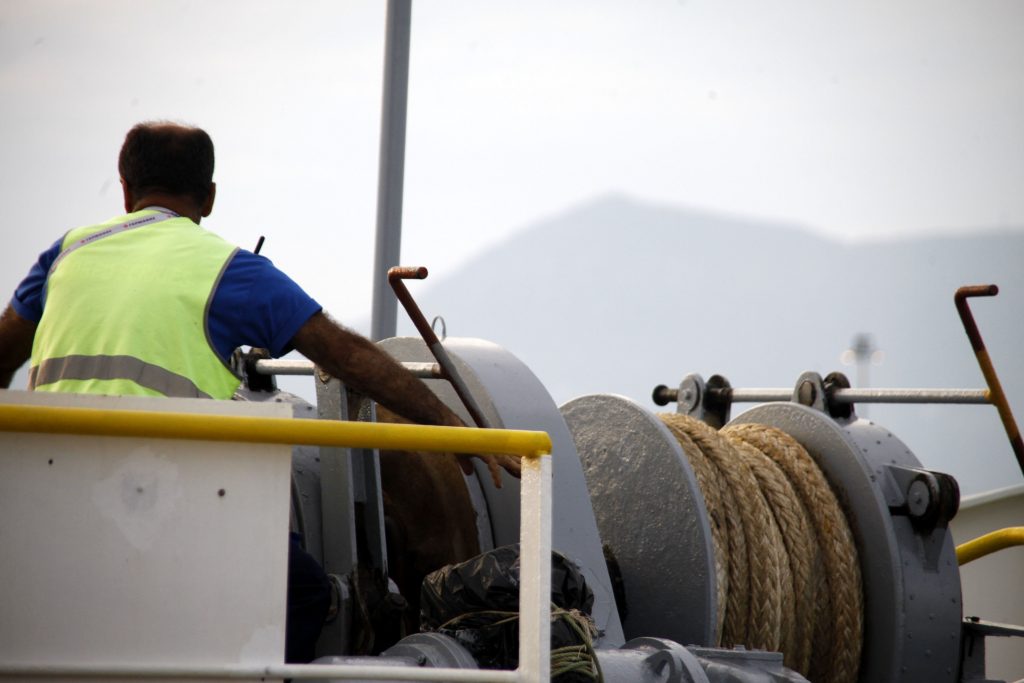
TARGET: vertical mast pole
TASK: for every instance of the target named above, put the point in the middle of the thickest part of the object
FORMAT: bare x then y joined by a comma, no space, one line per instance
391,170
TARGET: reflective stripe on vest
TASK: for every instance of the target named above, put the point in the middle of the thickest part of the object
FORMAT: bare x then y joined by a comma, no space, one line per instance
144,374
125,313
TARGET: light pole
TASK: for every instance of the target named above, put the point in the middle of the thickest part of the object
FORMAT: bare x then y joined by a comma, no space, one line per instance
863,353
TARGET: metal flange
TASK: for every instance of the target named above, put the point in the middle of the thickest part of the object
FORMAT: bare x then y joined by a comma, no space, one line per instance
652,518
511,396
912,605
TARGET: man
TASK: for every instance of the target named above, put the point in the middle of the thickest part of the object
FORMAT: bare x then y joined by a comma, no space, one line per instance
150,303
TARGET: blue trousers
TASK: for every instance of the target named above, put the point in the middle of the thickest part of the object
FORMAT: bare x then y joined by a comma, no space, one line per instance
309,598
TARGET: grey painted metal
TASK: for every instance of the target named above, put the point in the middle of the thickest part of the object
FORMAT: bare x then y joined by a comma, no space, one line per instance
391,165
308,512
305,471
349,477
337,494
511,396
975,634
651,516
912,606
745,666
409,661
433,649
651,660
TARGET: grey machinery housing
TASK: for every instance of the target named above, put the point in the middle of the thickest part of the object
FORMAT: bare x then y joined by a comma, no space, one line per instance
625,497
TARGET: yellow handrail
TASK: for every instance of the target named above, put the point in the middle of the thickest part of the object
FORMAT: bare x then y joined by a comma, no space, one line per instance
989,543
238,428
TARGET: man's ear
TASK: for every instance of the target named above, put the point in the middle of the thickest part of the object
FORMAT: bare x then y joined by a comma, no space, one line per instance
208,206
129,198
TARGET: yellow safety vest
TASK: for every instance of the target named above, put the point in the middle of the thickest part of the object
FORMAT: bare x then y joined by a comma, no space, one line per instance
126,311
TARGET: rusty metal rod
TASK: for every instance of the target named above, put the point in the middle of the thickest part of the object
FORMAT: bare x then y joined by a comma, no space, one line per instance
663,395
395,277
987,369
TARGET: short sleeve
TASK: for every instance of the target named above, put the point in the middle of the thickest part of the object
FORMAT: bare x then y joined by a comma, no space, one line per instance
29,297
255,304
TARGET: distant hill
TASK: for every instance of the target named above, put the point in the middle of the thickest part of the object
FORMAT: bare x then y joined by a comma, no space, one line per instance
617,296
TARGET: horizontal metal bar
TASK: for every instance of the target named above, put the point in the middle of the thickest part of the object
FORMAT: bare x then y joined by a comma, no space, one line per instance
241,428
306,367
738,395
250,671
965,396
754,395
969,396
285,367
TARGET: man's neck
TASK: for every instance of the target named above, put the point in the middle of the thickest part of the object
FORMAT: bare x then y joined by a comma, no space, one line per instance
183,206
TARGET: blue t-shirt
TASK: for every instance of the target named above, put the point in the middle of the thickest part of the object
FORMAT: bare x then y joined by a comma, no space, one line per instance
254,304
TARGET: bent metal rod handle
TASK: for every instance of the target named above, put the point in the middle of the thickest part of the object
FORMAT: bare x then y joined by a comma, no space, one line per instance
395,277
987,369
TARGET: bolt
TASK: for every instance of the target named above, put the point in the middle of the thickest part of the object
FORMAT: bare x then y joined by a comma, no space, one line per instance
807,393
688,398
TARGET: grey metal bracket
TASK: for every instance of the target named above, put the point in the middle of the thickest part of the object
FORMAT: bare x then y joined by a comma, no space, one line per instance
351,504
810,391
706,401
353,510
972,644
929,499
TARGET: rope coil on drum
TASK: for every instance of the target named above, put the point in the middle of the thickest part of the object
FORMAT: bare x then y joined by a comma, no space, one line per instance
787,570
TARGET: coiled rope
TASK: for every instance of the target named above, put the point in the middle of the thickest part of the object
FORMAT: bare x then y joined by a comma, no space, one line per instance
580,659
787,568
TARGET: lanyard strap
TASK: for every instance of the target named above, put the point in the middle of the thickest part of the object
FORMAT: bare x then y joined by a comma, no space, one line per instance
153,218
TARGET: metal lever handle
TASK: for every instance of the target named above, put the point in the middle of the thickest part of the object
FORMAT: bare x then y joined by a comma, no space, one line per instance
395,277
987,369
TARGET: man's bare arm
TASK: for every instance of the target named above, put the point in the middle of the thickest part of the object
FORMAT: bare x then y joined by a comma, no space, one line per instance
16,335
362,365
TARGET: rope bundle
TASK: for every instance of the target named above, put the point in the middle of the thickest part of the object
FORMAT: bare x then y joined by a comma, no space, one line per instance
579,661
788,577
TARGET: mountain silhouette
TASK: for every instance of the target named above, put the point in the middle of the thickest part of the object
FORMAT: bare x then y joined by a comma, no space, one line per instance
618,296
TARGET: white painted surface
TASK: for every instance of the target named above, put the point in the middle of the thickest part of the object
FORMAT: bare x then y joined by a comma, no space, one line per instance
142,551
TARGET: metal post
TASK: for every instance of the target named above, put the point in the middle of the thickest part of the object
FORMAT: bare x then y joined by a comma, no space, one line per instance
391,168
535,571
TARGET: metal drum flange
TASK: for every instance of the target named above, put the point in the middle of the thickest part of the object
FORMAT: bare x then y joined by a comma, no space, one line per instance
511,396
651,516
912,605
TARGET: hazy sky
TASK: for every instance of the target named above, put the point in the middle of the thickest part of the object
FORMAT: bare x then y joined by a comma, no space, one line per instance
858,120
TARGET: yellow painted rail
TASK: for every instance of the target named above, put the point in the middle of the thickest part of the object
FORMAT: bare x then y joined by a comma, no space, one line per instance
989,543
238,428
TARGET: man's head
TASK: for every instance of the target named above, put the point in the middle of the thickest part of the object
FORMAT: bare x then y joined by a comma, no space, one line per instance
168,160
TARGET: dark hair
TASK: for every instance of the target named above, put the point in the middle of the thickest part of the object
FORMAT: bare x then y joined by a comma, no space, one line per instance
159,156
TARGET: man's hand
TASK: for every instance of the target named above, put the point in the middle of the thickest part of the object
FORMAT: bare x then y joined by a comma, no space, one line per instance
495,463
16,335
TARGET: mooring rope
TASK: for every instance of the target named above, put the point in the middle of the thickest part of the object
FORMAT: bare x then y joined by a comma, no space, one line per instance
781,542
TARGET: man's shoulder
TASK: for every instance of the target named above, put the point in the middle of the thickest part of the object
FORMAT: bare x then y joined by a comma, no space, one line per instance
123,220
82,231
254,269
